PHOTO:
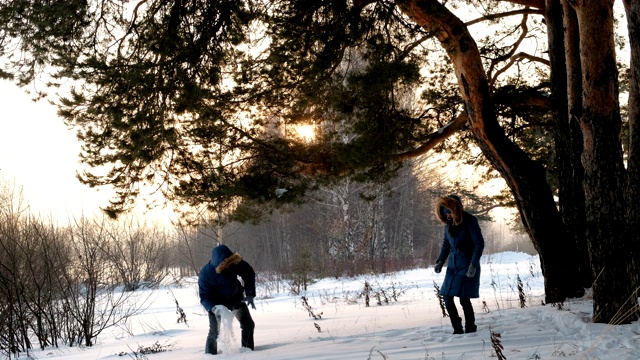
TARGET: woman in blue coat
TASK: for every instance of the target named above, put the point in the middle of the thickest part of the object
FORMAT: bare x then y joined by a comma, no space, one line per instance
218,285
463,245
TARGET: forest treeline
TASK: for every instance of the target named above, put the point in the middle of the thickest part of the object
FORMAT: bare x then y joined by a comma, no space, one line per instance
64,285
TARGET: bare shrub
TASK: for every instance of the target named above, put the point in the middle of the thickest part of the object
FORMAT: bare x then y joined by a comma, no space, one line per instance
497,345
91,296
30,313
142,351
47,258
182,317
440,300
521,294
485,307
270,283
57,285
137,252
310,310
366,293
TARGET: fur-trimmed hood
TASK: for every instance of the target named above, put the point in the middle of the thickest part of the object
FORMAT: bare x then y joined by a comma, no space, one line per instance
453,203
222,258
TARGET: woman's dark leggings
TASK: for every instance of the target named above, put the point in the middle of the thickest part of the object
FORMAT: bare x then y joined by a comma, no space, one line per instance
467,308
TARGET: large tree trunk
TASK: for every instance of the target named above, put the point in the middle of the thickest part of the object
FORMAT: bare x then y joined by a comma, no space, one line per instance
566,80
525,178
568,153
614,299
632,9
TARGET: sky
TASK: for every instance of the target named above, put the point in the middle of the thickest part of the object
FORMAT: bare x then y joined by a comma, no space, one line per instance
39,155
410,328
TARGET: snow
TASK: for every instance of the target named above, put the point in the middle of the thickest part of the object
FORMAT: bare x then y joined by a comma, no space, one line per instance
410,328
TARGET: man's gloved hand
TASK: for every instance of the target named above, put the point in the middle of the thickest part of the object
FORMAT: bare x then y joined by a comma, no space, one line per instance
438,267
472,271
249,301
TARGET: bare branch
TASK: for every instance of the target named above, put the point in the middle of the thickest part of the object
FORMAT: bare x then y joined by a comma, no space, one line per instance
514,47
530,99
436,138
517,58
131,26
361,4
538,4
413,45
525,11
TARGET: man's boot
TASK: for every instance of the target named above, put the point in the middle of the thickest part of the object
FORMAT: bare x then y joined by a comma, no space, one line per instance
456,322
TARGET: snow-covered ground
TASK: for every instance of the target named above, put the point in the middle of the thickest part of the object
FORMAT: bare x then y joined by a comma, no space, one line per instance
410,328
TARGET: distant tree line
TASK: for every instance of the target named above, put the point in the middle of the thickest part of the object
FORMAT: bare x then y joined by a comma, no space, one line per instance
350,228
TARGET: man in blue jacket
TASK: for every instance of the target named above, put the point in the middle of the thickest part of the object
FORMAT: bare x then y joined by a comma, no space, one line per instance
462,244
218,284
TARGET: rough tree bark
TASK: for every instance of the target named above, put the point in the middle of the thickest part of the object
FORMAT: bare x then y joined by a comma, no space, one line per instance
525,178
632,9
570,193
614,299
572,206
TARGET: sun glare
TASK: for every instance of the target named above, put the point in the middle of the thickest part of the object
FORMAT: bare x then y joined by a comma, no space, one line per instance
306,132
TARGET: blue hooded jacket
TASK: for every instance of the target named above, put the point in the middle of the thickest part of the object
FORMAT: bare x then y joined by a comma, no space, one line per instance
462,244
218,282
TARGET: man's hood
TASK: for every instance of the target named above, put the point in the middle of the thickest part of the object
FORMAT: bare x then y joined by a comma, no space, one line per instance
222,258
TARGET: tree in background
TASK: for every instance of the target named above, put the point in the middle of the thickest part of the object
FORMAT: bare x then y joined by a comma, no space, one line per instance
138,252
205,98
305,241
